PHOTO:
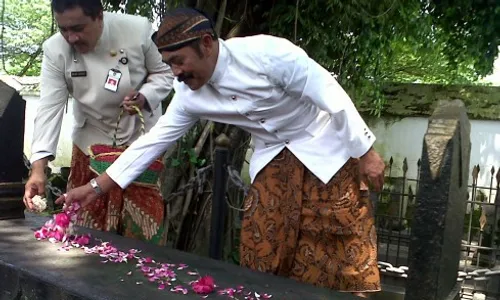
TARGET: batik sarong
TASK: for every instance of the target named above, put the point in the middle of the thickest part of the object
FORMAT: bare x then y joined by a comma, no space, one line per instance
136,212
297,226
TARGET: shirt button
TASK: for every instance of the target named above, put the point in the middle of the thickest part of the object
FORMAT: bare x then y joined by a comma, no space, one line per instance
263,120
287,142
233,97
247,114
276,131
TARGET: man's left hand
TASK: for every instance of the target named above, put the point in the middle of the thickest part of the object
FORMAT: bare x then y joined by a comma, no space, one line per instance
134,98
371,168
84,194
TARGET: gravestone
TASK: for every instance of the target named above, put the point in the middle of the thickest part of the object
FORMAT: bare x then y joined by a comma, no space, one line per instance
12,168
441,200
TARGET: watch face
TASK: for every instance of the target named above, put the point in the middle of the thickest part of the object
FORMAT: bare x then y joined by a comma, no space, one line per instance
95,186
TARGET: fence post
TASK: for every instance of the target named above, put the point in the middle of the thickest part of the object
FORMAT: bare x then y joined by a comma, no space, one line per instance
219,205
441,200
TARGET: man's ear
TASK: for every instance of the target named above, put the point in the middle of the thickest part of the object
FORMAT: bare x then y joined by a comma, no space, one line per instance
100,16
208,43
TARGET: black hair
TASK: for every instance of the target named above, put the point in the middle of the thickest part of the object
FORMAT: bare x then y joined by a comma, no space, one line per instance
91,8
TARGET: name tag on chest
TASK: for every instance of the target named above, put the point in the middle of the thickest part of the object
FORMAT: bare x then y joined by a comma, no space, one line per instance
79,74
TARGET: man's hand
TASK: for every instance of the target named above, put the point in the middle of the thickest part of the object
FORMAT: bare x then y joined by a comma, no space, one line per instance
134,98
371,168
84,195
36,182
34,186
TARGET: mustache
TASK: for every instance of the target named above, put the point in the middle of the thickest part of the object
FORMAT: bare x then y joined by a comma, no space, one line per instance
184,76
78,44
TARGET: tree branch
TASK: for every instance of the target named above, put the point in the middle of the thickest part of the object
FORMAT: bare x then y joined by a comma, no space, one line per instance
296,21
2,38
30,62
220,17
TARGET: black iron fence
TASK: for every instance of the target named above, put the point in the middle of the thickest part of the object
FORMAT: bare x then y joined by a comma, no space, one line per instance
480,257
394,212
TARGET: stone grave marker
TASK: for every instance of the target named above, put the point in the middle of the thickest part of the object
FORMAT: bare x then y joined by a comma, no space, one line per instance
441,200
12,168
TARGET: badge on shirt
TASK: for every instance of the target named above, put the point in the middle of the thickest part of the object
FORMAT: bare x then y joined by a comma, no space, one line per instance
79,74
113,80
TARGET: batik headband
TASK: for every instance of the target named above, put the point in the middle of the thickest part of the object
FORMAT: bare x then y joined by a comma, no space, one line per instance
180,27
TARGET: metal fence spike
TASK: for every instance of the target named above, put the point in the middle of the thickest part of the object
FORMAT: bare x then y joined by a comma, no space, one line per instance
498,177
482,220
475,172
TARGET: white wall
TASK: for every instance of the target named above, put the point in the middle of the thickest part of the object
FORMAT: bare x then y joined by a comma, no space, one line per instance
404,138
63,156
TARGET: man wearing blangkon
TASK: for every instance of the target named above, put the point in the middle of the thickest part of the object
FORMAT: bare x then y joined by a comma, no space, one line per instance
106,62
307,217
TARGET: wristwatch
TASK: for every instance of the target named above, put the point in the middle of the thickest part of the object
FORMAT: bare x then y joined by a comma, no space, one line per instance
96,187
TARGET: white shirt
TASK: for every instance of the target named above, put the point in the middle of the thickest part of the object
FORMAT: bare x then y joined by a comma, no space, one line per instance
272,89
96,109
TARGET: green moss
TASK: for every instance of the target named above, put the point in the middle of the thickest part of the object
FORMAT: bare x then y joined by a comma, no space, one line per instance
405,100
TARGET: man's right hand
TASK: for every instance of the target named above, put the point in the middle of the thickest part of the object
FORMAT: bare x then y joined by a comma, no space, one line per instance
35,185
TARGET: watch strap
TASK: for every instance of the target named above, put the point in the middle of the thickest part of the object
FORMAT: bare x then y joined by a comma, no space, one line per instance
95,186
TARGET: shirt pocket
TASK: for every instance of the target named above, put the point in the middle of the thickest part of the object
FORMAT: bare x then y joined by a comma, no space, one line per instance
258,106
318,124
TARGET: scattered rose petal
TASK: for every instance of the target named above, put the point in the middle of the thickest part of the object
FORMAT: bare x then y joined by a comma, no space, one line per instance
62,219
205,285
179,289
60,229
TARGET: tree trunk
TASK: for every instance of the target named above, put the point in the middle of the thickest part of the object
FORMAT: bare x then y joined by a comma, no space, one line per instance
189,215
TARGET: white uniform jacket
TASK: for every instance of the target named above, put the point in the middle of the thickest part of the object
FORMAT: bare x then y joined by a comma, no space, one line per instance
271,88
66,72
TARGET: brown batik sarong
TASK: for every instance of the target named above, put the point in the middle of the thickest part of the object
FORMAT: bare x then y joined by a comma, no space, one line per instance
136,212
297,226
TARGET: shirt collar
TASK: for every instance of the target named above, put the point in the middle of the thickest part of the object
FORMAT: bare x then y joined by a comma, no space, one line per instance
221,65
103,41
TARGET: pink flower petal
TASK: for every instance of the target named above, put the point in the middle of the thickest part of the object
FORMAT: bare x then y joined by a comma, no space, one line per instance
60,229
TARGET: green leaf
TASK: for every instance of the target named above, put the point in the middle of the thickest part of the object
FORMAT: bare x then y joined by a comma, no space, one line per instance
175,162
